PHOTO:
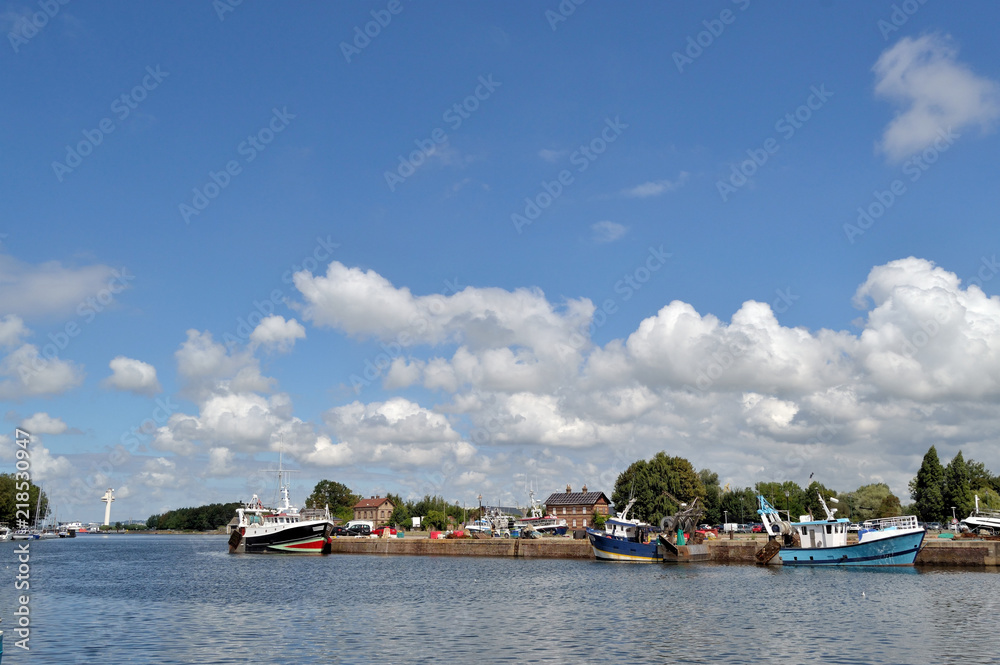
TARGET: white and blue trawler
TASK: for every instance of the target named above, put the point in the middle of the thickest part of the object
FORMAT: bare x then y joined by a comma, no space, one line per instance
891,541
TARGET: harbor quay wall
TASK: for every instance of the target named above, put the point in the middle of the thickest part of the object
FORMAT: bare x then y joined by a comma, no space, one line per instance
542,548
936,552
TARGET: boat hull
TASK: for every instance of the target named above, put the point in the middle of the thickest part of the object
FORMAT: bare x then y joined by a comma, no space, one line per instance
608,548
898,550
306,538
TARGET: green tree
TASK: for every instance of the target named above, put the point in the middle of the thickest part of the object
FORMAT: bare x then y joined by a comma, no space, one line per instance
795,502
889,507
958,492
979,475
811,500
434,519
927,489
14,492
713,496
401,515
333,494
653,482
740,505
865,502
598,519
202,518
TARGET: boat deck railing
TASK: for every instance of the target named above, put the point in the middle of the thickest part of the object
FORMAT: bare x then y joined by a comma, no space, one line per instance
901,522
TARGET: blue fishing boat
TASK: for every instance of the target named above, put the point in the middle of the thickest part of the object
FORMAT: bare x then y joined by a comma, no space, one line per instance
891,541
625,539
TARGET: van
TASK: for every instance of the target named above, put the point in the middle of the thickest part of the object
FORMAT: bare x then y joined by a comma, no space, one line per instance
361,527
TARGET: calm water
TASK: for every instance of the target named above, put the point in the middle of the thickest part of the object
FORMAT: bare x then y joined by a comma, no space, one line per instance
182,599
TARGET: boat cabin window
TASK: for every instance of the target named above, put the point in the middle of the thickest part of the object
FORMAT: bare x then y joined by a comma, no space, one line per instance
829,529
803,531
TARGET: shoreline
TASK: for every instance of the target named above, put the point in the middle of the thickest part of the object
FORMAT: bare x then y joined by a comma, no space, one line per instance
942,552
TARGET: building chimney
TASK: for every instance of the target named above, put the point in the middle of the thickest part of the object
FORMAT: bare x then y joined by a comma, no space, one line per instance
568,489
584,488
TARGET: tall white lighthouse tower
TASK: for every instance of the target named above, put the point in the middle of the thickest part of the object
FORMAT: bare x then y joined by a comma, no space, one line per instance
108,497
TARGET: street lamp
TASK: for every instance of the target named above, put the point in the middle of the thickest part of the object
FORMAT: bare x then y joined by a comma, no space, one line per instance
954,520
787,509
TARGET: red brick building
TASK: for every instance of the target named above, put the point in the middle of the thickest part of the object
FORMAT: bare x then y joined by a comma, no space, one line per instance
376,509
577,508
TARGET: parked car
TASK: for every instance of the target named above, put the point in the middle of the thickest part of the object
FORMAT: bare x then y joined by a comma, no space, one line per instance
933,526
360,530
381,530
341,531
853,528
757,528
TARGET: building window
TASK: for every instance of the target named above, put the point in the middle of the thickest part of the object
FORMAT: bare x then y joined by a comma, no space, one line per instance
574,523
584,522
564,510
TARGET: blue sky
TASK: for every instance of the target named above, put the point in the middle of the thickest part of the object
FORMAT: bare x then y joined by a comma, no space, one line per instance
580,236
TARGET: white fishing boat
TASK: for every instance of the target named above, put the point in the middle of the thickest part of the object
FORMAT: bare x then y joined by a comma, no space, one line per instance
286,529
544,524
5,533
982,520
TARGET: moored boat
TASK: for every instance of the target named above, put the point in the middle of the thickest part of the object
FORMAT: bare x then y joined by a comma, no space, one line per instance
287,529
890,541
547,525
982,520
625,539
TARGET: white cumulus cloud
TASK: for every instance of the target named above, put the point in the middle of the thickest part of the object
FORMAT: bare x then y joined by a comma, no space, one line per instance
133,376
935,92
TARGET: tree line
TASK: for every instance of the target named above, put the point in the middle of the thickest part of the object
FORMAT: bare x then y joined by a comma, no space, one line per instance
434,510
202,518
937,489
657,482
